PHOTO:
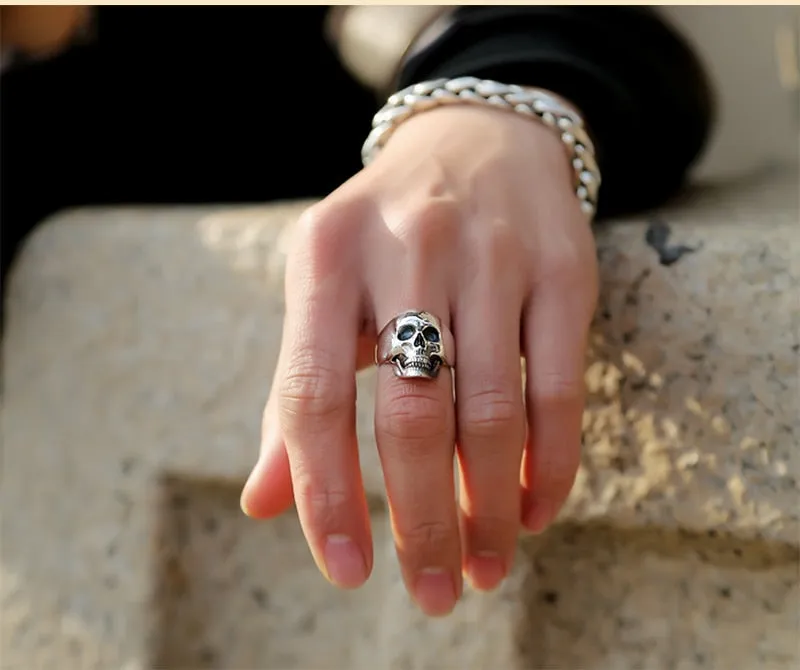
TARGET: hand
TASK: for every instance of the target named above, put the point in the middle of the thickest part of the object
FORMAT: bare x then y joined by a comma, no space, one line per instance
467,213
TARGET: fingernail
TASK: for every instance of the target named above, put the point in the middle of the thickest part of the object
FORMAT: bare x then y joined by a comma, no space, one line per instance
344,562
435,591
540,514
244,496
485,570
243,504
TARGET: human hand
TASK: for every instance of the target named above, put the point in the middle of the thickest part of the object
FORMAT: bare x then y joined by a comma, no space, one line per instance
467,213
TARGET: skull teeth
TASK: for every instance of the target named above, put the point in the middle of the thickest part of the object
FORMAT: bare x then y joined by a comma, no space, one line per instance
427,365
424,364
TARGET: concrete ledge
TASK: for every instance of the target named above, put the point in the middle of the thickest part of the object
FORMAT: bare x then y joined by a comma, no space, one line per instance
139,350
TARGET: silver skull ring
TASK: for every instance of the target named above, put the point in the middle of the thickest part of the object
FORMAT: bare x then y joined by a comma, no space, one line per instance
416,345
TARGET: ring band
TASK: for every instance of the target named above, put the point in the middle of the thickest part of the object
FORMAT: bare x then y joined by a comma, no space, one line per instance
416,345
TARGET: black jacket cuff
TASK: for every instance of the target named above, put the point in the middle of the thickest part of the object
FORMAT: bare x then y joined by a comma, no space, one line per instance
641,89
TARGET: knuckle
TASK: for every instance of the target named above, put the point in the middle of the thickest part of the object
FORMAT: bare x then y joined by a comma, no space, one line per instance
499,242
490,413
430,220
313,391
558,469
500,529
316,225
563,260
568,268
556,387
318,219
414,418
565,265
325,229
423,535
324,504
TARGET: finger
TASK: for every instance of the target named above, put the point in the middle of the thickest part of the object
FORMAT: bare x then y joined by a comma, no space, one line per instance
491,417
268,490
316,398
555,334
415,432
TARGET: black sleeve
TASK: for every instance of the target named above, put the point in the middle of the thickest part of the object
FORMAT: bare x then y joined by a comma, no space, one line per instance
642,91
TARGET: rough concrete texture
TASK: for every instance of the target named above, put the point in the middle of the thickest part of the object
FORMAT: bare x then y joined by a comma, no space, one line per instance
139,350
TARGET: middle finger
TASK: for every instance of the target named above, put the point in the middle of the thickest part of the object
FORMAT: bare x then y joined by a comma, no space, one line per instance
415,432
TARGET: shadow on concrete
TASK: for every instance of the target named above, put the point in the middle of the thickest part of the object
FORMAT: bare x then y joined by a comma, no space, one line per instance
217,606
602,597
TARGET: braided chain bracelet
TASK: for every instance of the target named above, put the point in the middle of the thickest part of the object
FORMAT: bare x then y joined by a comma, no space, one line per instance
531,102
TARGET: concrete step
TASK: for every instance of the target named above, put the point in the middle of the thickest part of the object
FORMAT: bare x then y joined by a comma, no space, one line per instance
139,350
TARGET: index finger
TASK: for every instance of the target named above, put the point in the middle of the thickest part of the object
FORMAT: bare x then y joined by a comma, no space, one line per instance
316,399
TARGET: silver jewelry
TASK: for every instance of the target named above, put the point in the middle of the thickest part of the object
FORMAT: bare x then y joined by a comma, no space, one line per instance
531,102
416,345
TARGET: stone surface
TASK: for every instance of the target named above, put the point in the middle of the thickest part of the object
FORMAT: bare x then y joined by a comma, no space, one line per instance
139,350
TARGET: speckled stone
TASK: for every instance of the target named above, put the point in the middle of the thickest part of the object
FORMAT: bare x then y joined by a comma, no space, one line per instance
139,350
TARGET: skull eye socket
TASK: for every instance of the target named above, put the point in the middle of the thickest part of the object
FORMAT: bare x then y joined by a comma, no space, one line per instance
406,333
431,334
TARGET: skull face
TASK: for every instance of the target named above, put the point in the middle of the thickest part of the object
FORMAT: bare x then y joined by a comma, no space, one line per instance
417,347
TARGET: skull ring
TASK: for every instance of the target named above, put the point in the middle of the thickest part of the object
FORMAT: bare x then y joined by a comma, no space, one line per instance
416,345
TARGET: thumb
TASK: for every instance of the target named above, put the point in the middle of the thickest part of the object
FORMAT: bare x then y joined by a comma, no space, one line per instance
268,490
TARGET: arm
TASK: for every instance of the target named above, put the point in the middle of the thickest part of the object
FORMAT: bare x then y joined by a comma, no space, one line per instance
639,86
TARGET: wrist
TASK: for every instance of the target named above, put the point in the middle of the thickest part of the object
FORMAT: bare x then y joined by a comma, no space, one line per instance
534,107
469,152
466,131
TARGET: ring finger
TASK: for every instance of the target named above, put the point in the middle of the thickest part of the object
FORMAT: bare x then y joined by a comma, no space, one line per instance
491,423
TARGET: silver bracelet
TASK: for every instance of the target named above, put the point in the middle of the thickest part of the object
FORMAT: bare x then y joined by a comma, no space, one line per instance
530,102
